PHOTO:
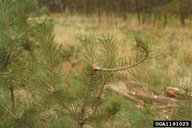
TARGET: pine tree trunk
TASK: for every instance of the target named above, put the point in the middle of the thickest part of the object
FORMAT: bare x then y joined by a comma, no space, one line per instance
143,18
165,20
137,10
84,7
99,10
149,18
139,18
108,9
182,14
124,10
159,17
182,20
189,22
73,8
154,20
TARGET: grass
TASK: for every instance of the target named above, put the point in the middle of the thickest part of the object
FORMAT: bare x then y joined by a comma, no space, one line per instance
171,63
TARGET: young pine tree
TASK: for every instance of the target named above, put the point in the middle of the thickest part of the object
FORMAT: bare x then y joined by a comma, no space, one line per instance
183,111
37,95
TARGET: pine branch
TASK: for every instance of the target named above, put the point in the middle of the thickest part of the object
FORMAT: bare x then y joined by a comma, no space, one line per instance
124,68
146,122
12,95
28,107
183,110
65,106
44,81
44,118
9,55
110,66
50,54
45,112
100,119
86,94
86,48
14,116
11,84
89,49
11,51
186,102
98,98
53,75
6,19
31,82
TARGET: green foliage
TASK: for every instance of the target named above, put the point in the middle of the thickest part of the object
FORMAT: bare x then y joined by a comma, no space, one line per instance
40,96
184,110
14,24
10,25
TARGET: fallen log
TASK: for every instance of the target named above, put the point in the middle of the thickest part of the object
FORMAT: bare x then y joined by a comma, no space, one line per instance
157,99
121,88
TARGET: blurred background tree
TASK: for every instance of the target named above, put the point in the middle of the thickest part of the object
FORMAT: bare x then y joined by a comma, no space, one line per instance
146,10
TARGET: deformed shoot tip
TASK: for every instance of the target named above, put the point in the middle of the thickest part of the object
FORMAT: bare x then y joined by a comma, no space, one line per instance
136,44
40,23
13,38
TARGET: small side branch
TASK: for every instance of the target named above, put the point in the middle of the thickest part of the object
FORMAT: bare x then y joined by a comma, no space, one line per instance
100,119
146,122
14,116
101,90
12,96
98,98
11,51
186,102
28,107
86,94
43,80
31,82
65,106
86,48
52,65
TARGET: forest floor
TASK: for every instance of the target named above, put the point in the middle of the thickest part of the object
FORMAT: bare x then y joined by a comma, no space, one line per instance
171,60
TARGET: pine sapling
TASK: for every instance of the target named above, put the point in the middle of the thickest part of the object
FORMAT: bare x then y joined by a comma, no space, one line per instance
183,111
54,102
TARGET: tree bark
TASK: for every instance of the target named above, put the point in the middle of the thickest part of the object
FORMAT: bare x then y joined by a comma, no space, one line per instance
189,22
182,14
84,7
99,10
137,10
182,19
137,97
108,9
124,10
